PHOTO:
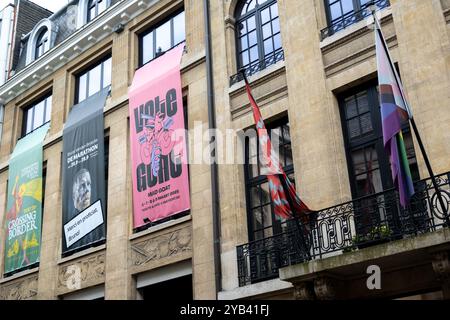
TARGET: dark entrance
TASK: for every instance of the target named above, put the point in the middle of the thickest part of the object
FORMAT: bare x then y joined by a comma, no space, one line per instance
175,289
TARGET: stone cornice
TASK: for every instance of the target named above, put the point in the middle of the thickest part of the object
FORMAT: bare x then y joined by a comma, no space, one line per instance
68,50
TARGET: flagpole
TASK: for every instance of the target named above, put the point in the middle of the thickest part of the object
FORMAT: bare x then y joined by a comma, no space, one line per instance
413,124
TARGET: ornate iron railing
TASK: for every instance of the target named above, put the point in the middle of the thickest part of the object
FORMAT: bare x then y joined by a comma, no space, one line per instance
350,226
352,17
257,66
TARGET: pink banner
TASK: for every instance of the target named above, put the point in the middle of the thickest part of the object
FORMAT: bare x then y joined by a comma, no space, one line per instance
158,145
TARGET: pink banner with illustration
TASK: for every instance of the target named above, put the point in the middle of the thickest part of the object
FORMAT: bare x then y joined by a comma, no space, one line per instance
158,145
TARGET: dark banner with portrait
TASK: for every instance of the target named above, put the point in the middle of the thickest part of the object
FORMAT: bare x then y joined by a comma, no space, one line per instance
84,174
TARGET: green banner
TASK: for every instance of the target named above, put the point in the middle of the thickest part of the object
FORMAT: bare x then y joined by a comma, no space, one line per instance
24,208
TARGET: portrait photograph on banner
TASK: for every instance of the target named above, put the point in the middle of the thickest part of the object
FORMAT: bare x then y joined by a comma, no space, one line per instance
84,174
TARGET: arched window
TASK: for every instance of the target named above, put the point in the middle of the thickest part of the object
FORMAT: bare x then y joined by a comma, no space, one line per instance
41,43
258,34
95,7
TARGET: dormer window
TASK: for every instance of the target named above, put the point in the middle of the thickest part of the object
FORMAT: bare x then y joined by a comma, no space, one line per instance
95,7
40,40
41,43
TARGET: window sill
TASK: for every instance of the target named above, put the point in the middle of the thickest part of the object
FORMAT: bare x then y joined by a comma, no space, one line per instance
159,227
254,290
82,254
349,32
19,275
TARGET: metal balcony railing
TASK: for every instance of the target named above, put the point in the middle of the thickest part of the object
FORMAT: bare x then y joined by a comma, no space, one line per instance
257,66
352,17
350,226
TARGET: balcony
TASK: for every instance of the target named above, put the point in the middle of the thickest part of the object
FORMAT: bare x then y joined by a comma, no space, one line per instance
258,66
351,18
348,227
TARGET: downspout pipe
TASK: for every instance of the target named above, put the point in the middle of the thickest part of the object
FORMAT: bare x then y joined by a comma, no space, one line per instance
214,171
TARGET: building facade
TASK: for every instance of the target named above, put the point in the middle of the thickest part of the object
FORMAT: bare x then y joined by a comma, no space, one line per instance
312,68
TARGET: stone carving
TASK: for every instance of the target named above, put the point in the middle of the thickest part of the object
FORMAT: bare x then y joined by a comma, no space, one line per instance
20,289
92,271
303,291
324,288
161,246
441,266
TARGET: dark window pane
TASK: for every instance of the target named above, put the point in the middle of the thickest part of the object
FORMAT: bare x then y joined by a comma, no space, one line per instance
255,196
353,128
366,123
363,102
265,194
351,109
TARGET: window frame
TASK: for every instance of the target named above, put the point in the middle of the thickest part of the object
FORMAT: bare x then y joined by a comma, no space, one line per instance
41,40
258,181
152,29
256,12
375,139
357,7
43,98
95,4
85,71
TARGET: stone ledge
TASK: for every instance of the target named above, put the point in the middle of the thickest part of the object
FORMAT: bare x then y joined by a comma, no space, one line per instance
82,254
309,270
256,289
19,275
159,227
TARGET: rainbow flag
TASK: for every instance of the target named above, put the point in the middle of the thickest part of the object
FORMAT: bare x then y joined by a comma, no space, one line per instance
286,204
394,111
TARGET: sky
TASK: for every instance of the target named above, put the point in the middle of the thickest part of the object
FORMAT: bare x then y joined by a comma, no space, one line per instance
52,5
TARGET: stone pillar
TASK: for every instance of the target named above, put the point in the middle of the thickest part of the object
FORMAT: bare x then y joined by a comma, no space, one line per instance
424,61
51,225
317,142
118,283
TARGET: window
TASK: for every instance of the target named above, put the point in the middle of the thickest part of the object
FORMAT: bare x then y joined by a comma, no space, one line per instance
262,222
93,80
368,163
37,115
162,38
95,7
342,13
41,43
257,33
